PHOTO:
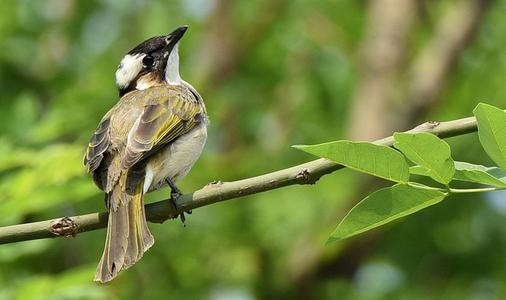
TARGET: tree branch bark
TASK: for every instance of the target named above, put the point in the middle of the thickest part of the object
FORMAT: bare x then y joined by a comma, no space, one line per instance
377,95
454,33
158,212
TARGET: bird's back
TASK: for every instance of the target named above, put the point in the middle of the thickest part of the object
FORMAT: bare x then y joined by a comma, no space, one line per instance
127,114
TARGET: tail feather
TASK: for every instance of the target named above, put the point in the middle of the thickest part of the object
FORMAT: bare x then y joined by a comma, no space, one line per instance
147,238
128,235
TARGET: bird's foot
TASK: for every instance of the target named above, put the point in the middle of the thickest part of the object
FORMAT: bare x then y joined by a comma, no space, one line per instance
174,197
175,194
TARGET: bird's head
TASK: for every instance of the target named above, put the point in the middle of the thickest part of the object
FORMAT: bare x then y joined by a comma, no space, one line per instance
151,63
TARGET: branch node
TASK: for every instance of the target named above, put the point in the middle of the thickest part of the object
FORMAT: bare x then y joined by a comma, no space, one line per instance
303,177
64,227
433,124
429,125
214,183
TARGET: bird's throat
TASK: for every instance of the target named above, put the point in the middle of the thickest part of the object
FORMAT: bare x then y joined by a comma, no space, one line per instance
172,68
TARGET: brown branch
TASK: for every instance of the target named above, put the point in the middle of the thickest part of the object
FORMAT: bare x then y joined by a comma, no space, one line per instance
375,111
453,34
158,212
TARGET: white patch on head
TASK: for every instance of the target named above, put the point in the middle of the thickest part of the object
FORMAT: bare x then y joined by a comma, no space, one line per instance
128,69
172,68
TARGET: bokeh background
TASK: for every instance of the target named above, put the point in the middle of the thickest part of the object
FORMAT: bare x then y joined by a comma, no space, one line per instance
273,73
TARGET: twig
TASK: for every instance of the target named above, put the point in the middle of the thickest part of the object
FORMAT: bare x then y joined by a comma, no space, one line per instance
307,173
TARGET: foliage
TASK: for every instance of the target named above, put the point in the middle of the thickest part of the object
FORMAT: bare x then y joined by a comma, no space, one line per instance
432,157
377,160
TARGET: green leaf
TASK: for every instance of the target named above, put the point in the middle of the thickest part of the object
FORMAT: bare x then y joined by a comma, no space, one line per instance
492,132
383,206
480,174
471,173
419,170
428,151
377,160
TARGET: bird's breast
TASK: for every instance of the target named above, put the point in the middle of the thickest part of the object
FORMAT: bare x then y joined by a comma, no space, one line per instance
176,159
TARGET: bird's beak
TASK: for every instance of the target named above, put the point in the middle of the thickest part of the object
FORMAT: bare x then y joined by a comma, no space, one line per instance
178,33
175,36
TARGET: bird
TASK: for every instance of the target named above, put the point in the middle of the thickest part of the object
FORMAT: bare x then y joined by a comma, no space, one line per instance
149,139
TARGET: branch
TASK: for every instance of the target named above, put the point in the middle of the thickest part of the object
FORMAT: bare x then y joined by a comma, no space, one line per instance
454,34
375,110
158,212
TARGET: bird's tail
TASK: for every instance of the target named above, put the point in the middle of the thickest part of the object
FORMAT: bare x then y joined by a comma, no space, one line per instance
128,235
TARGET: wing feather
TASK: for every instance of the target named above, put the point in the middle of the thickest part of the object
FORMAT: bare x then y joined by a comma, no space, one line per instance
138,126
161,122
98,144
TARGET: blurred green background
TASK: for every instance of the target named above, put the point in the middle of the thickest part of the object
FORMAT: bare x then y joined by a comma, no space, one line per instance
273,73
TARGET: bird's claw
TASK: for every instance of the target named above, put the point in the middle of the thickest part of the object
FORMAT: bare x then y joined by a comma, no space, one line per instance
175,194
174,197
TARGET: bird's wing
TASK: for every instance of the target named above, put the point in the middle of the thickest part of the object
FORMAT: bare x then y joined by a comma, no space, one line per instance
98,144
166,116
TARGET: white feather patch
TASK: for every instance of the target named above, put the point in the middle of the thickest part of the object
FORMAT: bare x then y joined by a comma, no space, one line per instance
172,69
148,179
142,86
175,160
128,69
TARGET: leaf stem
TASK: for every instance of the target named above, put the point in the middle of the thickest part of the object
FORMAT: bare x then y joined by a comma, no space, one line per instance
426,187
478,190
450,190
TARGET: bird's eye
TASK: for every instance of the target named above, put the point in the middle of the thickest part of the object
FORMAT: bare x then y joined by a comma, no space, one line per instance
148,60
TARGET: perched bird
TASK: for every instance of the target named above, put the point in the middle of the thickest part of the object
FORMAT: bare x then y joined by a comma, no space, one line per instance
150,138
